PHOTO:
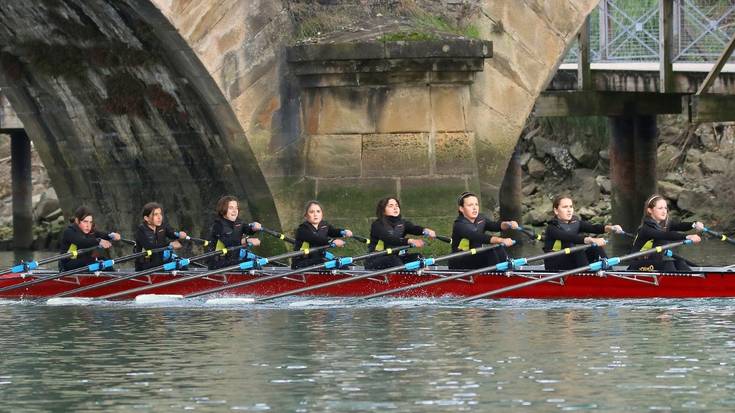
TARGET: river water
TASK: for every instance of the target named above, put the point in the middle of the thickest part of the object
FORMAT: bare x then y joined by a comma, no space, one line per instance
298,355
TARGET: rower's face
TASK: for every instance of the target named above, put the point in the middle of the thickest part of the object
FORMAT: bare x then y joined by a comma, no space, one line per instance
660,210
85,224
565,210
314,214
233,210
470,208
392,209
155,218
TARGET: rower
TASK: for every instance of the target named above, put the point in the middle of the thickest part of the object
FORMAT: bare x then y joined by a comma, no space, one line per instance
154,233
81,234
566,230
469,231
229,231
389,230
315,232
656,229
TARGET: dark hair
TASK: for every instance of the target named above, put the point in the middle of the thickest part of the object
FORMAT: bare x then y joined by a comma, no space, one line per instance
557,200
223,203
150,207
310,203
380,208
81,213
463,196
650,203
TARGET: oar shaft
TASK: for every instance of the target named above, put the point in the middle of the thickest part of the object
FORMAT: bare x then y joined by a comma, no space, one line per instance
414,265
288,273
595,266
500,266
719,235
279,235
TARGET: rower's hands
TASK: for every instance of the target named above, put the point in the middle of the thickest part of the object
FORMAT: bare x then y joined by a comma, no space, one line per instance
508,242
252,241
115,236
600,242
616,229
255,226
429,233
347,233
338,243
175,244
182,235
416,243
105,243
698,226
506,225
694,238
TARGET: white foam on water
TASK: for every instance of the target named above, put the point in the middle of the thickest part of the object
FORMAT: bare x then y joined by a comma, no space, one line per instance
157,298
315,303
69,301
230,301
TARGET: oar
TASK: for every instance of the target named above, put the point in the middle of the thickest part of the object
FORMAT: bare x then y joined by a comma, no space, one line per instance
501,266
358,238
411,266
719,235
332,264
32,265
201,241
595,266
531,234
247,265
94,267
446,239
278,235
169,266
677,256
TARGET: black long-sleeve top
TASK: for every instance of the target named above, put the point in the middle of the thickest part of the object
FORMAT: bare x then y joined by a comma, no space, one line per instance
226,234
389,233
467,234
308,236
147,239
73,238
650,234
561,235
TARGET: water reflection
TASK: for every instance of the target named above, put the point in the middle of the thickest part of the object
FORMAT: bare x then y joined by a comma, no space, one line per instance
561,355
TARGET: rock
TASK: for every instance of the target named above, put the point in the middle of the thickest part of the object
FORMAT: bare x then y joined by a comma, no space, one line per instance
669,134
586,213
529,189
587,191
713,162
582,154
47,204
665,157
536,168
603,182
707,136
604,155
674,177
545,147
694,155
693,171
524,158
670,190
690,200
54,215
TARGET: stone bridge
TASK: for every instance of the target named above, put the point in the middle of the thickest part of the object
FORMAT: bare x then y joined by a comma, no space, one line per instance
182,101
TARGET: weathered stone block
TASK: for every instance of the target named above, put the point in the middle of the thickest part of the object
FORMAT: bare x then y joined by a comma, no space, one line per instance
455,153
398,154
338,110
427,197
334,155
290,195
353,198
404,110
449,107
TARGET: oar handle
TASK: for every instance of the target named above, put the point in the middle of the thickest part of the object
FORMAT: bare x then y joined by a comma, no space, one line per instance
719,235
278,235
128,241
446,239
531,234
363,240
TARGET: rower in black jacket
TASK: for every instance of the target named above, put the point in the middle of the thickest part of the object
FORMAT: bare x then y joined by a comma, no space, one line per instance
656,230
81,234
229,231
154,233
566,230
315,232
389,231
469,231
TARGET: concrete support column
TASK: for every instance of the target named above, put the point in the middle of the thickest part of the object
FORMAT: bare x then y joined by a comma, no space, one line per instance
632,171
510,190
22,190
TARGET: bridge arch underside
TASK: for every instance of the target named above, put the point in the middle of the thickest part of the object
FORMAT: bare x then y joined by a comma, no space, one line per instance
123,113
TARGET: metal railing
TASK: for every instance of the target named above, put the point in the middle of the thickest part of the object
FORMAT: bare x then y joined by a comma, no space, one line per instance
628,30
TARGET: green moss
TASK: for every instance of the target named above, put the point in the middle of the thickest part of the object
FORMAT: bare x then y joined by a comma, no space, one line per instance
408,36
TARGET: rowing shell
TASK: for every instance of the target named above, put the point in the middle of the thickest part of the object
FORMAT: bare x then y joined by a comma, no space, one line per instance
705,282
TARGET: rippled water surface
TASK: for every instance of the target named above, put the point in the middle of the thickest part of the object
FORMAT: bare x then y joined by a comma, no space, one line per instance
319,355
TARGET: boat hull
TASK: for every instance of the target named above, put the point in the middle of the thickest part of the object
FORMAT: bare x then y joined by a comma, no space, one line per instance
599,285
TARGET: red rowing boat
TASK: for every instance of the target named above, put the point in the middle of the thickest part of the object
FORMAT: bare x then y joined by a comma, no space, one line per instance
707,282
